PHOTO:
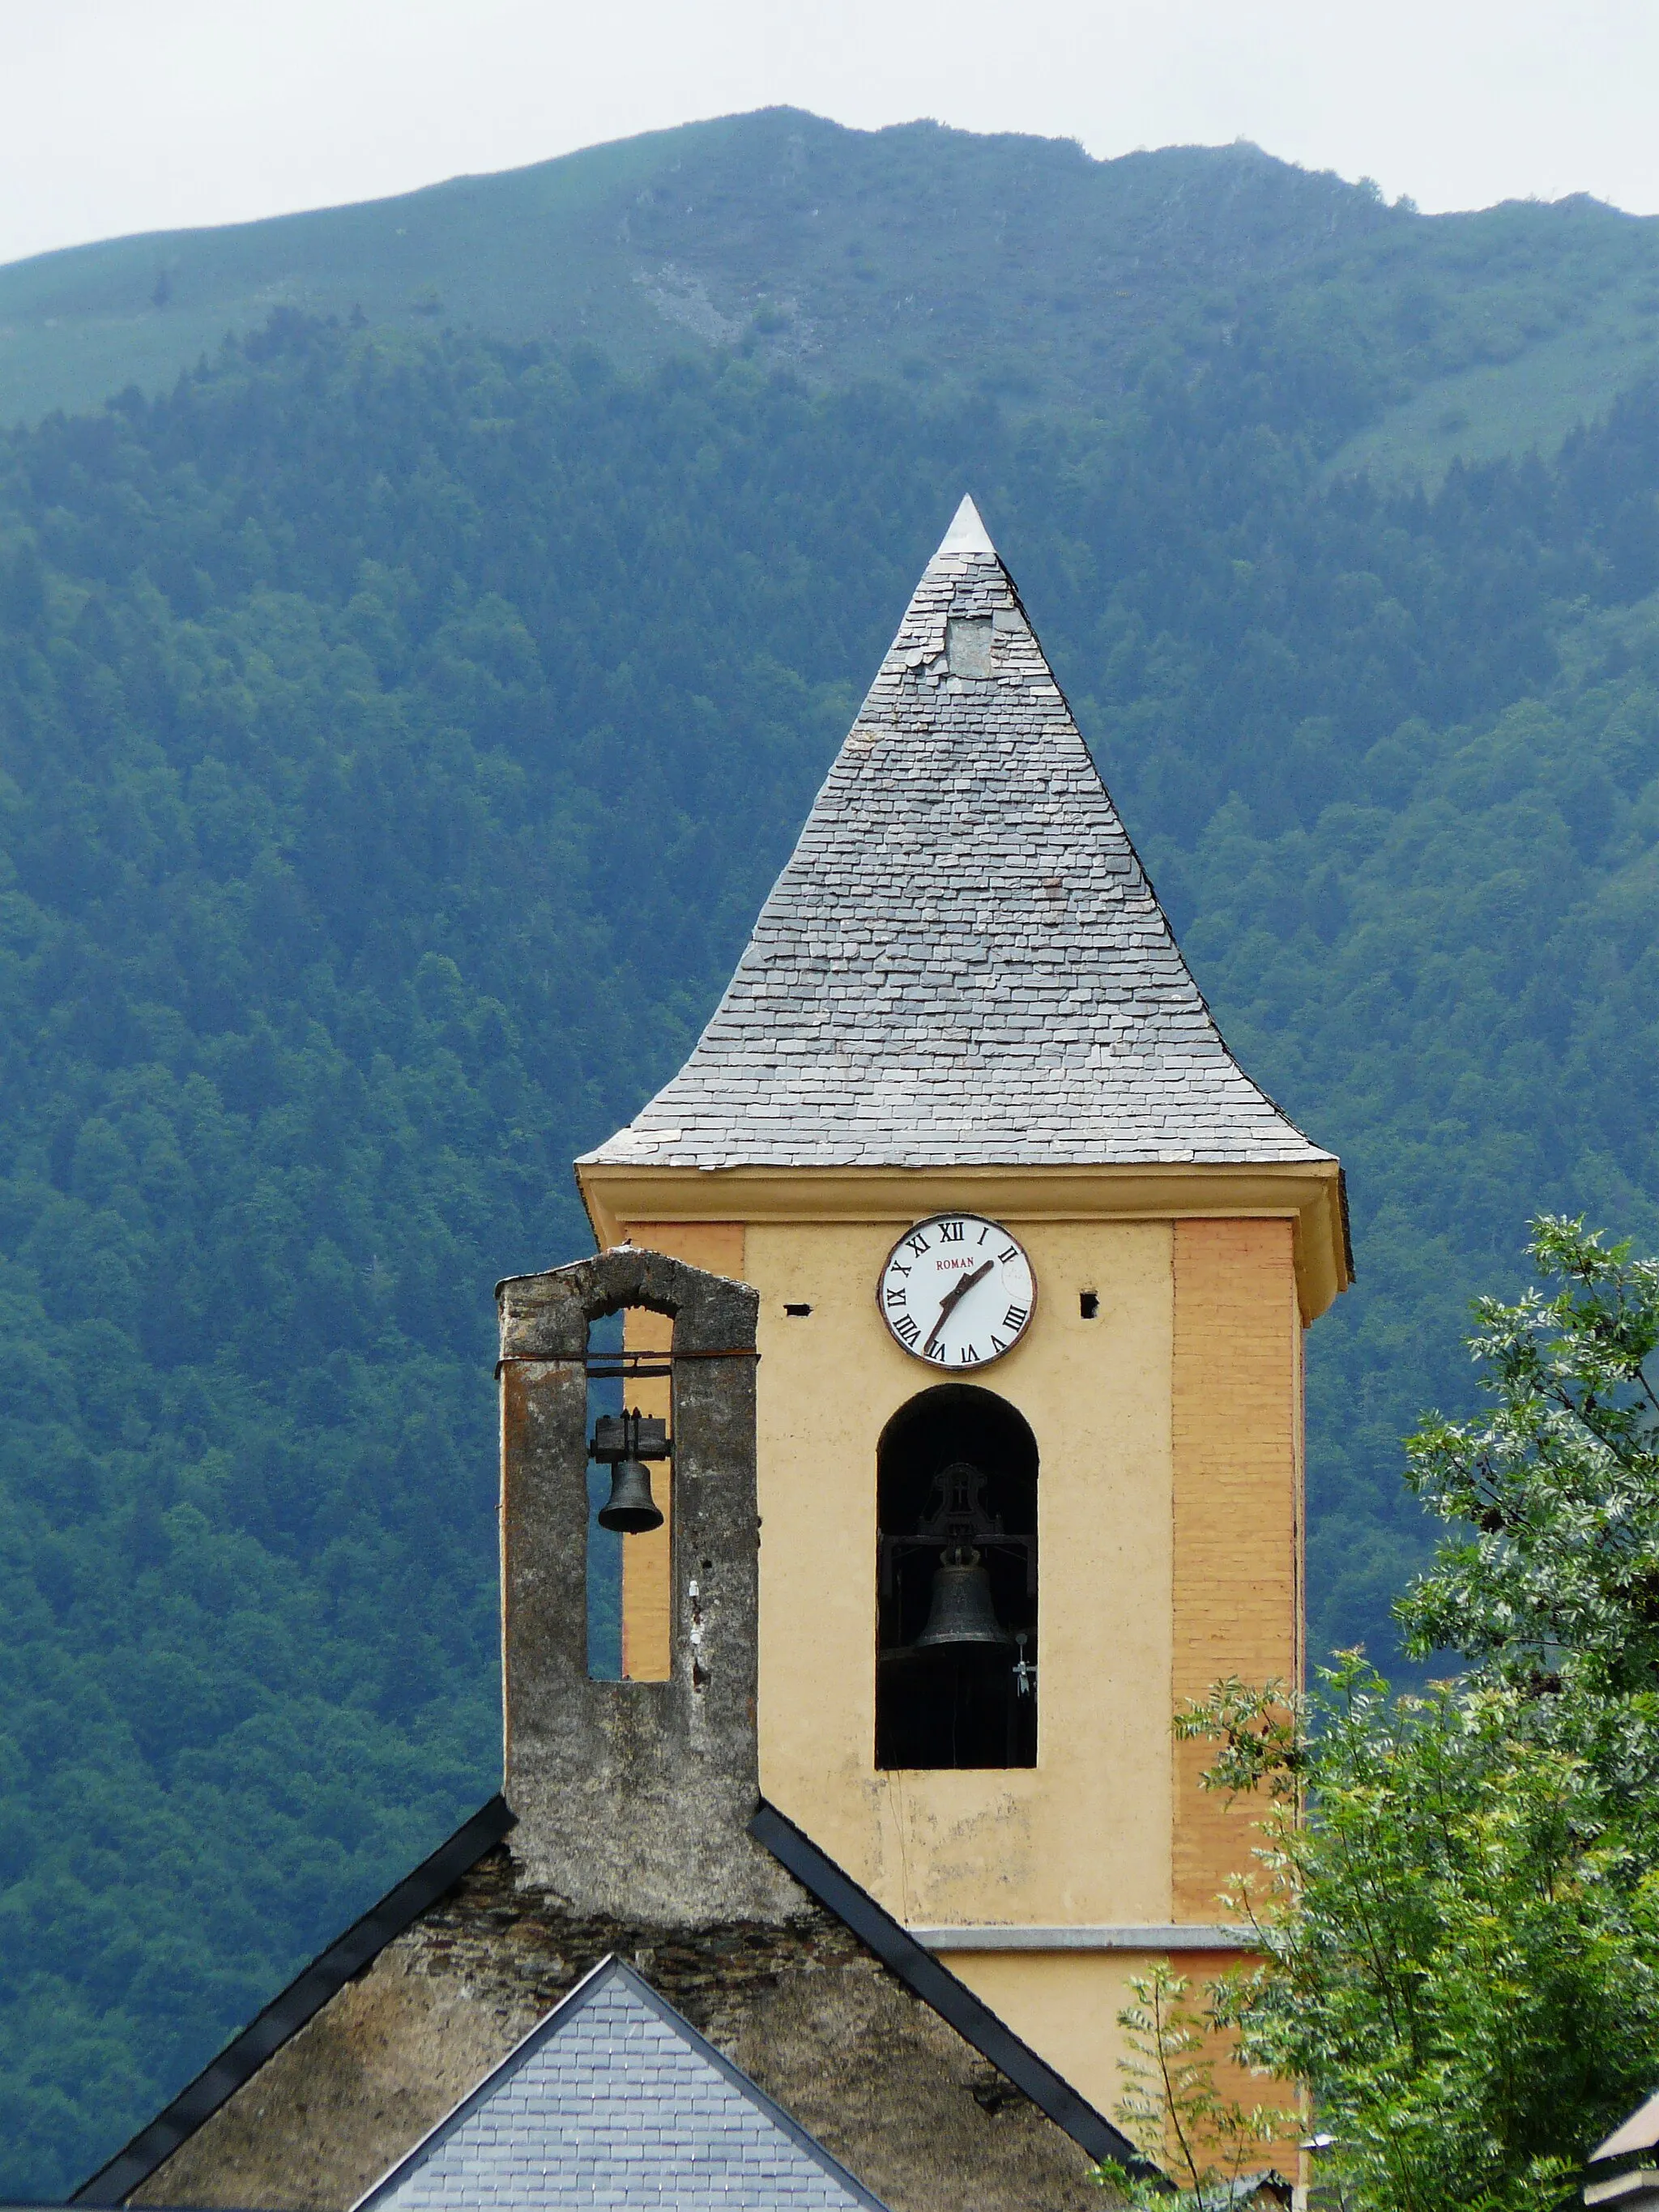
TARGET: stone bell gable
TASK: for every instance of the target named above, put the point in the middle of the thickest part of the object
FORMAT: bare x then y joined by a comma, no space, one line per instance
631,1830
633,1796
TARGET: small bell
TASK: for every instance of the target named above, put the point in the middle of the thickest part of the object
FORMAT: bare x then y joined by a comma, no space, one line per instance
631,1508
623,1442
960,1611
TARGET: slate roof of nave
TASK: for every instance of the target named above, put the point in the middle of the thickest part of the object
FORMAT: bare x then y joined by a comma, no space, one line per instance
615,2099
963,962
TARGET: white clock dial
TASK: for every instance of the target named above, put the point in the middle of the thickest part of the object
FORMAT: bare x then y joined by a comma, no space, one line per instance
957,1290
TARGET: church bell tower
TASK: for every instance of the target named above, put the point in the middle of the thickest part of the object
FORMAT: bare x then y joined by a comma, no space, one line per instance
1034,1258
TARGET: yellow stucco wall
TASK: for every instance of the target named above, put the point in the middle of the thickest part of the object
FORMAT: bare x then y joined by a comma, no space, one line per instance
1170,1529
1064,2004
1082,1836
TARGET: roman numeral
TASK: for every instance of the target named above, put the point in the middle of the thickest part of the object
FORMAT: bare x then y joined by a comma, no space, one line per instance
1012,1253
907,1329
1016,1317
897,1298
951,1232
997,1344
938,1352
918,1244
969,1355
984,1232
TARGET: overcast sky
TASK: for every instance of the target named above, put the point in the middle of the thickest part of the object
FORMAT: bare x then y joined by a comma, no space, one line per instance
128,115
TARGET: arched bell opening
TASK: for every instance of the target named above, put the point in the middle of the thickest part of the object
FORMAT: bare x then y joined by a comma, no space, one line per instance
604,1547
957,1577
628,1489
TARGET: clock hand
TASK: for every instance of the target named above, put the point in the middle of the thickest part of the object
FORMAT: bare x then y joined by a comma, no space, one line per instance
952,1297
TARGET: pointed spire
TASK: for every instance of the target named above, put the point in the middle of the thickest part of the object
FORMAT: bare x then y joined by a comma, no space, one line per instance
966,533
962,963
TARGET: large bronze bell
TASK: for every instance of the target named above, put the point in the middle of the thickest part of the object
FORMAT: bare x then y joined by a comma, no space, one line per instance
631,1508
623,1442
960,1611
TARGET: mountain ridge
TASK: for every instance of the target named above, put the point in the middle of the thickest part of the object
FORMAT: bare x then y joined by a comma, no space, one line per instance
1017,268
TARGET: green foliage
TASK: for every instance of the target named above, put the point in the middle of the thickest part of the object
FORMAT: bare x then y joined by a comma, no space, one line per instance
1459,1893
1175,2113
1462,1938
1555,1591
396,742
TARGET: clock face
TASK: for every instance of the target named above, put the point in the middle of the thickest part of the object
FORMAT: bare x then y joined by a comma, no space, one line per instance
957,1290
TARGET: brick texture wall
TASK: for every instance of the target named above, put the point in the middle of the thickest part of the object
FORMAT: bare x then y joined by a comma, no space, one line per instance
1237,1506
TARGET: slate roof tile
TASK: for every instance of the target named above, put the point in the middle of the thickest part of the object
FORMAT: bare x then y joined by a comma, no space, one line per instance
964,963
615,2099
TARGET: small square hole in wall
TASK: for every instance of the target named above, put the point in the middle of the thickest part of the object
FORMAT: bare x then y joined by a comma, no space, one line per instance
799,1312
1088,1305
968,645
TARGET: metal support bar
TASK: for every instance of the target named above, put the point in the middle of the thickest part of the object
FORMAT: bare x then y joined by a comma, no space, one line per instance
610,1366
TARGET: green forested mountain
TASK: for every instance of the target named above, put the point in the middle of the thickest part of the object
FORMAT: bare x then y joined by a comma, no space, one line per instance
1006,266
398,733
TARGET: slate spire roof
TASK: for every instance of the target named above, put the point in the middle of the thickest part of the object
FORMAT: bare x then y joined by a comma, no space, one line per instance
964,963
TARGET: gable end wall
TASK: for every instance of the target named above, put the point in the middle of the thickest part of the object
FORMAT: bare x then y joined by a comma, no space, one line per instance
804,2010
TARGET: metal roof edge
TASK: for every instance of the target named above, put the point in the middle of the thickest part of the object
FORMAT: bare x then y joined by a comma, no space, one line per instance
300,2002
938,1987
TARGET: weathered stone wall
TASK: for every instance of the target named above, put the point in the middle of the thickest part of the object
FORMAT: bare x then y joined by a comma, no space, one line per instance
883,2083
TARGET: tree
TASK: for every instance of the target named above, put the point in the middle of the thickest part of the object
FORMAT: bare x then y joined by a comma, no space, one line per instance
1175,2113
1554,1590
1457,1899
1461,1941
